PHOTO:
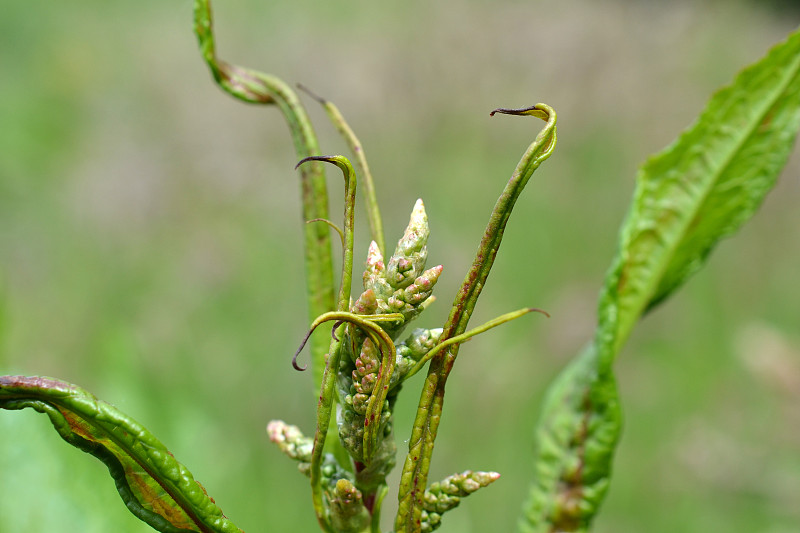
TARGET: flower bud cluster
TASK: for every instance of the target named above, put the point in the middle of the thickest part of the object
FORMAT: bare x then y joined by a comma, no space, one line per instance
411,350
447,494
401,285
411,253
290,440
351,428
365,375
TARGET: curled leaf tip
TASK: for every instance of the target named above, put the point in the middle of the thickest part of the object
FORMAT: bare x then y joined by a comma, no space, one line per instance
297,353
541,111
312,158
296,366
540,311
333,331
312,94
510,111
339,160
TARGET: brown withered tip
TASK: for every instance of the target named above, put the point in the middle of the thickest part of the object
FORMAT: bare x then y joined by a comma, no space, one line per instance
508,111
297,354
537,310
333,331
312,94
323,158
296,366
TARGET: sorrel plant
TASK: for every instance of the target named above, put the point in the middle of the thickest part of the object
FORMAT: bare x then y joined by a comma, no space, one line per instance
701,188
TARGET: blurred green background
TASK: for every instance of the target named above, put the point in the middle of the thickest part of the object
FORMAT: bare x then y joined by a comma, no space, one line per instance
151,246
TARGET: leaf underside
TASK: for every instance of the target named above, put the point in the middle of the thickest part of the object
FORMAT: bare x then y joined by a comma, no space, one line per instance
155,487
704,186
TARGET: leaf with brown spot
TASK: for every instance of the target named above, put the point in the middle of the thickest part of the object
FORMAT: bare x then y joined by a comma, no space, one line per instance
699,190
154,486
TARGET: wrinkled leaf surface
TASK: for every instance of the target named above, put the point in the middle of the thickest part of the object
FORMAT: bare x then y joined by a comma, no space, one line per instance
153,484
700,189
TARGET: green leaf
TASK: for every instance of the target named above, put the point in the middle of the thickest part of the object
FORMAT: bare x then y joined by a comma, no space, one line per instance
155,487
698,190
576,436
704,186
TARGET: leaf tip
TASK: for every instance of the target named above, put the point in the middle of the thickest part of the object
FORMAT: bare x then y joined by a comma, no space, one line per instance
540,311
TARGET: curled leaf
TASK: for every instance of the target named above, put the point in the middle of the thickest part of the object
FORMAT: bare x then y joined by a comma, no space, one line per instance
255,87
373,212
155,487
576,436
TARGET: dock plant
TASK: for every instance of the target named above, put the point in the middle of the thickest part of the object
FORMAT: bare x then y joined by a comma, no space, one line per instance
701,188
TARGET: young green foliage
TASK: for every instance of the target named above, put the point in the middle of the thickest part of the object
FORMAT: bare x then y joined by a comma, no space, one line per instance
698,190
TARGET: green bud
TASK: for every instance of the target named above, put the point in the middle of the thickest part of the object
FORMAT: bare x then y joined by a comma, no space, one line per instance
350,421
375,274
429,521
382,462
347,511
365,375
409,300
422,287
408,260
421,341
351,429
366,304
447,494
290,440
411,350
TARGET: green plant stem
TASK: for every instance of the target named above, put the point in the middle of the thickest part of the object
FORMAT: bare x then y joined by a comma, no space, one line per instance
502,319
426,424
327,392
375,526
370,197
255,87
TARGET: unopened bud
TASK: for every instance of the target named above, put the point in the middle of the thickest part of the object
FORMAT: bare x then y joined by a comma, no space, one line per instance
447,494
409,257
348,513
290,440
